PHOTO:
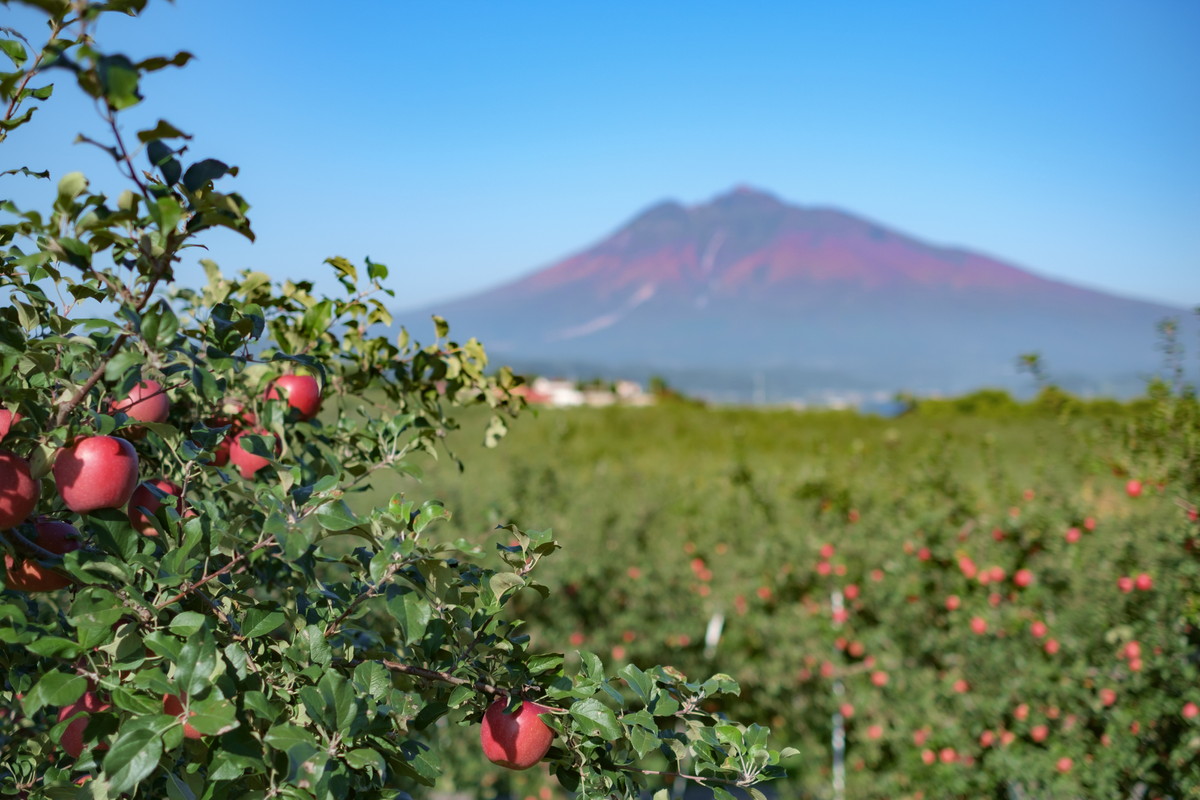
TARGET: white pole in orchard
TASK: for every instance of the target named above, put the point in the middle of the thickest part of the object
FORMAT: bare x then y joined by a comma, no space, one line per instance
839,723
712,634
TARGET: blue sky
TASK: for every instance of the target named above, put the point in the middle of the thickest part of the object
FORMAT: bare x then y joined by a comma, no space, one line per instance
466,143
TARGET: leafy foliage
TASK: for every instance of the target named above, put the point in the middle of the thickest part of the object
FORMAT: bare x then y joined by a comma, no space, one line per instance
267,634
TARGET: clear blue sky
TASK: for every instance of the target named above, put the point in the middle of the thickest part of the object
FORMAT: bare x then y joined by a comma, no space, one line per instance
466,143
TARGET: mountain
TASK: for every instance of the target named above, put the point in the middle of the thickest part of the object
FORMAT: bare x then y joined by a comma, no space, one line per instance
748,294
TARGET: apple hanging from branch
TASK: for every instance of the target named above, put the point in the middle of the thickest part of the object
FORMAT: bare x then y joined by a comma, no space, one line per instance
515,740
18,489
96,472
302,392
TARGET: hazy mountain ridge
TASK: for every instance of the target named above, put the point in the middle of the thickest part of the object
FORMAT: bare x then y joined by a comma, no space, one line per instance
809,300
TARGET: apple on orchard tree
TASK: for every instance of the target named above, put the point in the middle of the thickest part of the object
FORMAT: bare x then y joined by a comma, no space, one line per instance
7,420
302,392
173,706
246,462
96,472
27,575
18,489
84,707
238,420
144,504
515,741
147,402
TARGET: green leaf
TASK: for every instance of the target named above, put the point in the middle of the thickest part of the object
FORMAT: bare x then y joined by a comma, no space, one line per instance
134,754
259,622
641,683
212,715
71,186
595,717
336,516
196,664
413,613
15,51
54,689
119,80
204,172
502,582
163,130
643,741
366,758
187,623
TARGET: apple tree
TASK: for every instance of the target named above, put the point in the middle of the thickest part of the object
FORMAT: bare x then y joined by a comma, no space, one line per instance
193,606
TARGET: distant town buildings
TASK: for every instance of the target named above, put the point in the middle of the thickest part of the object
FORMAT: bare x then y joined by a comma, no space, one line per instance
561,393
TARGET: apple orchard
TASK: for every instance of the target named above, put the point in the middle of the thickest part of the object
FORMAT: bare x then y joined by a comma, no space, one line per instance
222,577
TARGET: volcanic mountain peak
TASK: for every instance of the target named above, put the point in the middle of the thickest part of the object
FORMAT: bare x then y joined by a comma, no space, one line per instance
746,281
748,242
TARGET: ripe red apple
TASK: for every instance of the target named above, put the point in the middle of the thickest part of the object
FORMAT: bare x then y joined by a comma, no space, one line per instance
72,737
7,420
246,462
1108,696
1125,584
1065,764
173,705
18,490
1133,488
147,402
96,472
1023,578
1038,628
145,504
1144,582
27,575
1190,710
979,625
516,741
302,393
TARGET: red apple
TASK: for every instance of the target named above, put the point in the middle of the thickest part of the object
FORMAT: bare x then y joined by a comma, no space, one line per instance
7,420
516,741
1023,578
147,402
246,462
979,625
27,575
1065,764
72,737
173,705
1125,584
18,490
1190,710
96,472
1144,582
145,504
302,393
1133,488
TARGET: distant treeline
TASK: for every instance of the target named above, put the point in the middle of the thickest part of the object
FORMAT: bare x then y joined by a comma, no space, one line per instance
1050,400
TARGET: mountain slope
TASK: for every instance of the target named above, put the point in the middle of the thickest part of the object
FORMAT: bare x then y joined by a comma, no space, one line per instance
815,299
